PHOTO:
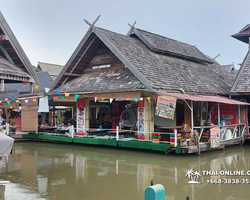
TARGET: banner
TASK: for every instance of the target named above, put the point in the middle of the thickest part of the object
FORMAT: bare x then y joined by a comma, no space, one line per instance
165,107
80,130
43,104
214,137
141,123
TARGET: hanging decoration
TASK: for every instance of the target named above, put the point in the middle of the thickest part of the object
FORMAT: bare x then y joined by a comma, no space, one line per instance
102,98
17,101
136,100
56,97
66,94
46,90
110,100
16,105
26,100
13,98
120,99
148,99
57,92
10,107
49,98
36,86
95,99
141,99
6,99
33,99
8,102
63,97
155,98
76,96
0,101
25,83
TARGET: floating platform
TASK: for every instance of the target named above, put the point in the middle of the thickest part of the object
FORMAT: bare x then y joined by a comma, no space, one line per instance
130,143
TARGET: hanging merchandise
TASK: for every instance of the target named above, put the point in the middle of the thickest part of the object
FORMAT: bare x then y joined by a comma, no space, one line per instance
37,86
76,96
43,104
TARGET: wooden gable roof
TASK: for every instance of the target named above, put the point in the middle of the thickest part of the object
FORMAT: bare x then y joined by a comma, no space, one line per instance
243,34
12,54
155,70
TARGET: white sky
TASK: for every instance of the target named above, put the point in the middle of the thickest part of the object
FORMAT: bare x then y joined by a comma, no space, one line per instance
50,30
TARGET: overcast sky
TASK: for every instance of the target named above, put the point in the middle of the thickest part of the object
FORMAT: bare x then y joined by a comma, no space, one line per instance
50,30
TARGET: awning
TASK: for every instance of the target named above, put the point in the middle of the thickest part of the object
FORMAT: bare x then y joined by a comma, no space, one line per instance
208,98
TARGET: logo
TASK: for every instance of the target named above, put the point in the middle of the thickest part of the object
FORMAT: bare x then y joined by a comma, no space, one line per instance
193,176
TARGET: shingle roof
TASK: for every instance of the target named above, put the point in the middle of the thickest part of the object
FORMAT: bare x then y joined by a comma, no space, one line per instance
173,47
52,69
45,82
242,82
190,69
122,80
229,68
11,50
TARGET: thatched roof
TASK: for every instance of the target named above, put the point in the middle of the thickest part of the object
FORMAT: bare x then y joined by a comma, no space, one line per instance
157,62
12,54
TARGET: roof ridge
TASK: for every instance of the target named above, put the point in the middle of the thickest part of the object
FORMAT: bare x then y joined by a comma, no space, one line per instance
49,63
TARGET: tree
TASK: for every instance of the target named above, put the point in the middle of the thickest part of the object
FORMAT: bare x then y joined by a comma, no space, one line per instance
36,69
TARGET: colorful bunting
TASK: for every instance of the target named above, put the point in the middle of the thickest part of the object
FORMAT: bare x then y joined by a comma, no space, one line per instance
76,96
26,100
57,92
8,102
120,99
155,98
110,100
63,97
67,94
49,98
46,90
10,107
102,99
56,97
13,98
17,101
95,99
148,99
0,101
6,99
141,99
136,100
36,86
16,105
33,99
25,83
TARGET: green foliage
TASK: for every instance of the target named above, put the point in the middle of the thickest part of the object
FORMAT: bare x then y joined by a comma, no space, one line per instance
36,69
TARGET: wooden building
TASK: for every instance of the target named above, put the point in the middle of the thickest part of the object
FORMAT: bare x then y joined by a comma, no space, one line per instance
109,70
15,67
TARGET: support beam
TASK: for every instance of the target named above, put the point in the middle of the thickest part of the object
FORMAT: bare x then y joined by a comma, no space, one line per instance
31,88
72,74
2,85
83,54
192,117
218,114
6,54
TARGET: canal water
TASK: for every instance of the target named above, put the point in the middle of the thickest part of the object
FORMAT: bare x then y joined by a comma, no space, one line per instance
56,172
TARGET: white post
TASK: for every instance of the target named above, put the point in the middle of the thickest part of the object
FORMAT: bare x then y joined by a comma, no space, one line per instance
7,128
175,137
72,131
2,85
192,117
219,114
117,133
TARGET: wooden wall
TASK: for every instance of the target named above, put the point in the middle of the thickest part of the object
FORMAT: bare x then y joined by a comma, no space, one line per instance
187,114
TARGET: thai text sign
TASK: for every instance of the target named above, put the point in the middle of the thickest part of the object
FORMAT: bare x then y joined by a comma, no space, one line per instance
214,137
165,107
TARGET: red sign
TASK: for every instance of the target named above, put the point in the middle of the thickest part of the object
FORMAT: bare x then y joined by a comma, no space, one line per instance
141,104
227,112
81,103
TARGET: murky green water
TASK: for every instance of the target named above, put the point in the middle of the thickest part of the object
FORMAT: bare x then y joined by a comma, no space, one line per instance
57,172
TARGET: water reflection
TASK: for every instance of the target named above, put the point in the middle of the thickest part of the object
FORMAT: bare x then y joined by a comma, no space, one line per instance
62,172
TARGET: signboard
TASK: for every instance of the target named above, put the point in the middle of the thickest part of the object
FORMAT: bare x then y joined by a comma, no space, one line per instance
140,104
214,137
81,103
227,112
80,130
165,107
141,123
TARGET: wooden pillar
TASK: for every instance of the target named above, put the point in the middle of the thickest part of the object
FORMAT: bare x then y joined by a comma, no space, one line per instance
2,85
31,87
7,115
53,119
149,122
87,115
